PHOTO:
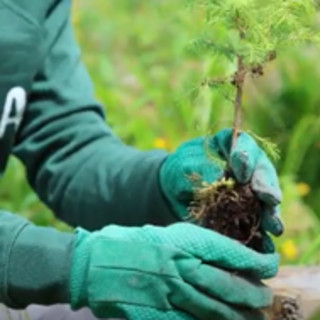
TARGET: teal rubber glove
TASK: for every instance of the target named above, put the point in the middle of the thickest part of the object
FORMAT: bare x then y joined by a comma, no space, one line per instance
248,163
168,273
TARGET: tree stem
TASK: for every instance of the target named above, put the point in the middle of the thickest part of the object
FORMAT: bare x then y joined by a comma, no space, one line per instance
238,81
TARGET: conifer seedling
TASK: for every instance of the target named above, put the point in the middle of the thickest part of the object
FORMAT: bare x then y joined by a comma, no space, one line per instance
249,34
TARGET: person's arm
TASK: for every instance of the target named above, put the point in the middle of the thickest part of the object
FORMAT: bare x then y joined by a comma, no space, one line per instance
100,270
89,178
77,166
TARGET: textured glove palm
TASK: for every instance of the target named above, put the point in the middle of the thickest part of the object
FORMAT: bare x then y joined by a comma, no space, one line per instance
247,161
172,273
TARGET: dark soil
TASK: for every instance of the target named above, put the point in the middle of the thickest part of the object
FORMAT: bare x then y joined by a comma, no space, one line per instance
233,212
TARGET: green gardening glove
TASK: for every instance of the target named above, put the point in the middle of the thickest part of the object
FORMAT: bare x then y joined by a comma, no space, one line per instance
168,273
248,162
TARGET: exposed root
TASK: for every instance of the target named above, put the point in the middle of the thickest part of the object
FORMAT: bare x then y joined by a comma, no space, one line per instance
229,208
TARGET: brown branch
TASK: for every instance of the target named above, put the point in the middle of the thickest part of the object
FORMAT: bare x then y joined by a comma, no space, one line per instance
238,82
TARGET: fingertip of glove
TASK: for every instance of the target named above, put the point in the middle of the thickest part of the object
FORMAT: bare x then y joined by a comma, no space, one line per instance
268,246
221,141
244,157
224,135
270,269
265,298
242,165
277,228
267,190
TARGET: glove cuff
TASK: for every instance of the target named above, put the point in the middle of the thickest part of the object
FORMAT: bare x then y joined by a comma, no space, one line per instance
79,269
38,267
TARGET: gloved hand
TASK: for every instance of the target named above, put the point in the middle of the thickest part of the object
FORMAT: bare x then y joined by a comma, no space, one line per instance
168,273
248,163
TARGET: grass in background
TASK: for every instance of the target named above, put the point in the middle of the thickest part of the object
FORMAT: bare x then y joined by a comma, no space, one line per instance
150,83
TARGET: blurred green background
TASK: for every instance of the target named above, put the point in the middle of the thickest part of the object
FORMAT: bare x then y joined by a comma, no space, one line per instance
150,83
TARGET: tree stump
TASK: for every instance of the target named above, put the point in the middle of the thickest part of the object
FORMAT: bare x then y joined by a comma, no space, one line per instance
297,294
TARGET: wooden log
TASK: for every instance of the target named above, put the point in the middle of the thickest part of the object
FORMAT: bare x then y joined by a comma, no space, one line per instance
297,294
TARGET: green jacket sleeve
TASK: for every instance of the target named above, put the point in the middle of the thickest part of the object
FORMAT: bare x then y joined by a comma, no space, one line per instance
78,167
34,263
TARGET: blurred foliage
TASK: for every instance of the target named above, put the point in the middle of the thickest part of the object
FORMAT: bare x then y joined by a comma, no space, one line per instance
151,84
252,29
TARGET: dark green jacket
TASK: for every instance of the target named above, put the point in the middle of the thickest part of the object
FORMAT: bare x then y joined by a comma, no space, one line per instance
51,121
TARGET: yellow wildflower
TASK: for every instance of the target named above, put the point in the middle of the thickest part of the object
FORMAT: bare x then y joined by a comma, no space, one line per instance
289,249
75,17
160,143
303,189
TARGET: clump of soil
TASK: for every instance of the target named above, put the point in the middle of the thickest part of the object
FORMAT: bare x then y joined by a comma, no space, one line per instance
231,209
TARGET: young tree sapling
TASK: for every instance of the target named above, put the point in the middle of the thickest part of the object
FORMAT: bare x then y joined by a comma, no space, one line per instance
249,34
